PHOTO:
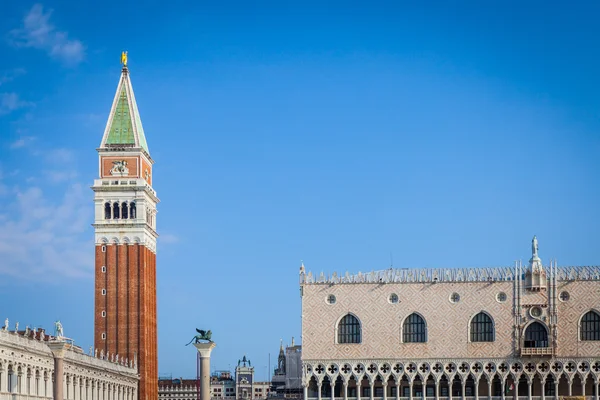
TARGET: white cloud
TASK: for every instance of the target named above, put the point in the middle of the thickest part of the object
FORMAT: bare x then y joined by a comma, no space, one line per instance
60,176
21,142
45,240
10,102
37,32
168,238
8,76
60,156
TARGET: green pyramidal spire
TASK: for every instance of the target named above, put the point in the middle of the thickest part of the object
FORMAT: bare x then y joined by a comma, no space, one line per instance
124,127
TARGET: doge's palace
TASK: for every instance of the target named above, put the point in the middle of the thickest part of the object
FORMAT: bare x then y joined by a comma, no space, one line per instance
530,331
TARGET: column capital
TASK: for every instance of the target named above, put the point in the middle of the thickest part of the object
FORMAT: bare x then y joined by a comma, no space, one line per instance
205,348
58,348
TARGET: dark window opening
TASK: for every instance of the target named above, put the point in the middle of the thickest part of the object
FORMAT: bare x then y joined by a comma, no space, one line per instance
590,326
116,210
349,330
125,211
536,336
413,330
107,212
482,328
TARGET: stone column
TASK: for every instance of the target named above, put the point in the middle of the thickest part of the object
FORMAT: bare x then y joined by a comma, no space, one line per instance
556,382
437,389
332,384
305,390
358,382
345,390
583,382
384,384
516,394
490,388
529,384
476,382
543,389
372,391
570,387
58,348
204,349
464,388
398,387
410,391
502,383
596,391
319,389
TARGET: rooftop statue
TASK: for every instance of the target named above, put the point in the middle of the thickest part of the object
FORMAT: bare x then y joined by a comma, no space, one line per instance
534,247
203,335
59,329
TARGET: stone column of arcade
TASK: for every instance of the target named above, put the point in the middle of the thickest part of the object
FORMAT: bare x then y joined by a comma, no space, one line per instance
58,349
204,349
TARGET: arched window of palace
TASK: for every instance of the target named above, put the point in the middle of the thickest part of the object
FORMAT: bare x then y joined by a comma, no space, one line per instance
414,329
132,211
107,210
125,210
349,330
590,326
116,212
536,335
482,328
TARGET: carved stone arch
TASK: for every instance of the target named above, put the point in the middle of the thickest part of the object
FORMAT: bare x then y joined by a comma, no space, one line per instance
463,368
125,240
114,240
358,370
332,370
423,370
404,320
516,368
371,369
469,326
411,369
450,370
489,368
385,369
527,325
570,368
583,368
477,369
137,239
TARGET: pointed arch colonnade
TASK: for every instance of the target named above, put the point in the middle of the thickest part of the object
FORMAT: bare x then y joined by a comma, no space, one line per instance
465,380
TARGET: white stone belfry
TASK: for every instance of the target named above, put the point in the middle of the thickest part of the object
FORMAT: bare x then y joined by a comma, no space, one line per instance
204,350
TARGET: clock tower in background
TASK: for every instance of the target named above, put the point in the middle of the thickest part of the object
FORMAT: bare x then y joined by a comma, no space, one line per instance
125,238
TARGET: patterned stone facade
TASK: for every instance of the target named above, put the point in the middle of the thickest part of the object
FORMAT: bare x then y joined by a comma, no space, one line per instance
514,301
27,366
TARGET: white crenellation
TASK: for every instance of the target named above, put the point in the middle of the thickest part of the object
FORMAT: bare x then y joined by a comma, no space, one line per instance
433,275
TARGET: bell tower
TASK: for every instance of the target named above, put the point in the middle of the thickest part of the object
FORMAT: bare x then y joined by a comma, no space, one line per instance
125,241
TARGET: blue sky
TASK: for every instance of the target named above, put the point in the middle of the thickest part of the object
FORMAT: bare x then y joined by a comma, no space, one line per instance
338,134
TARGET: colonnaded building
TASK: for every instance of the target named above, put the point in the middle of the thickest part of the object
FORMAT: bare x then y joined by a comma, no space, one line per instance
30,360
529,331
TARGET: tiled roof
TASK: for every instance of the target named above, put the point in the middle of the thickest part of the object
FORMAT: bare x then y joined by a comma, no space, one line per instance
124,126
